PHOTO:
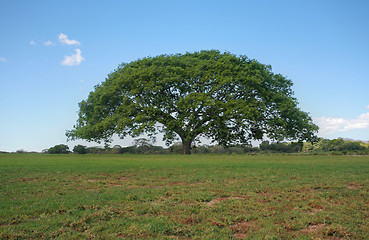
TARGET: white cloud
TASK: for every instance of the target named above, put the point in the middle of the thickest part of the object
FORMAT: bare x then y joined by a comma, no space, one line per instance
367,107
73,60
49,43
361,122
32,42
64,39
3,59
331,125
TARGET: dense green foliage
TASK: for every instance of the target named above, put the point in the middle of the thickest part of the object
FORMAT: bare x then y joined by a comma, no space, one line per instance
227,98
338,146
281,147
183,197
80,149
59,149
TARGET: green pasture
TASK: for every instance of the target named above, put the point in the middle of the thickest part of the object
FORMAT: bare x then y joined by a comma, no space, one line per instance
183,197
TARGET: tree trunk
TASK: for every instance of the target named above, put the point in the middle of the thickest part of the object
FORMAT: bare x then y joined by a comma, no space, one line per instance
186,146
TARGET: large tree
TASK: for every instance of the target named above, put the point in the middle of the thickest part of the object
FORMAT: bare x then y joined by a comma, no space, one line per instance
230,99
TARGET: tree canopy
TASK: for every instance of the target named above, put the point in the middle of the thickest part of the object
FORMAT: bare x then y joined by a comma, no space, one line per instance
230,99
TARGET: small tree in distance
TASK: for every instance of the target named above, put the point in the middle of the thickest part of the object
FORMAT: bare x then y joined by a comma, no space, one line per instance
230,99
80,149
59,149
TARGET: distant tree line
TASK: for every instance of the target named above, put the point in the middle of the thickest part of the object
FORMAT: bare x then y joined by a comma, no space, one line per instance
145,146
337,146
322,146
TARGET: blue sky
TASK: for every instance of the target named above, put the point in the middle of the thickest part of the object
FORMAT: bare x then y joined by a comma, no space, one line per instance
53,53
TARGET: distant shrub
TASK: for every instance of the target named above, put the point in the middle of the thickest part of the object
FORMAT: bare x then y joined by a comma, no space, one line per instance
59,149
95,150
201,149
282,147
219,149
352,146
80,149
175,148
21,151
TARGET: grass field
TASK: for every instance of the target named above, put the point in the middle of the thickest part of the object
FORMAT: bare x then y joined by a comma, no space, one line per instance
183,197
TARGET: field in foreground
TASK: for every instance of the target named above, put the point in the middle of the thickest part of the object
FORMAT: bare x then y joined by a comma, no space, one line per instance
183,197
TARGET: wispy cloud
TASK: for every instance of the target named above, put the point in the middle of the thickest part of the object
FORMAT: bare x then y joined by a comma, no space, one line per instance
73,60
2,59
367,107
64,39
49,43
331,125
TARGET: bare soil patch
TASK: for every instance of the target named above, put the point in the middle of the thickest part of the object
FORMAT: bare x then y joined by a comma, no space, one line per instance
313,211
220,199
353,186
94,180
313,227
